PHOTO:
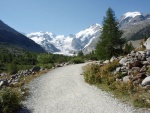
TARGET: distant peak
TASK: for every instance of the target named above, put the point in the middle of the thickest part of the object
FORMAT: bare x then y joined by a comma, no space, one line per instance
132,14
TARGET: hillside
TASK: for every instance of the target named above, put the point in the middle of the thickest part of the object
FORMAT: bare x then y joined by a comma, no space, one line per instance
9,36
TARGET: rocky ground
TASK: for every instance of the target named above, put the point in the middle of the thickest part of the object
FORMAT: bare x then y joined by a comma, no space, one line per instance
63,90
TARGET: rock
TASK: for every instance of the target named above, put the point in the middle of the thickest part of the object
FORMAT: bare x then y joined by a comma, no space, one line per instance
113,58
148,53
145,63
3,74
143,69
4,83
1,83
135,64
123,61
126,79
148,59
133,53
146,81
139,77
118,69
106,62
147,44
35,69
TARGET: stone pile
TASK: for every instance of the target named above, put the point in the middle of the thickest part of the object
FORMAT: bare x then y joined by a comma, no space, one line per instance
134,67
14,79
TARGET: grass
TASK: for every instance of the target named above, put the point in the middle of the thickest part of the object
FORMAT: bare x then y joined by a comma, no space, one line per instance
103,78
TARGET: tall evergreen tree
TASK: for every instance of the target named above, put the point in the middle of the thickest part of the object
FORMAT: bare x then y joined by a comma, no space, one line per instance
110,43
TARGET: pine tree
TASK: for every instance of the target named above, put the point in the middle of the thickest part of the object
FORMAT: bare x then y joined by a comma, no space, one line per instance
110,43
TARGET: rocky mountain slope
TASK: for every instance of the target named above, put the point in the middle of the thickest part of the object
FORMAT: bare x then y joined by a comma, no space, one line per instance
135,25
10,37
67,45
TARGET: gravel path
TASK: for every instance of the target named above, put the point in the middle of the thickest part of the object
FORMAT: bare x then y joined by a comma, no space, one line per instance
63,90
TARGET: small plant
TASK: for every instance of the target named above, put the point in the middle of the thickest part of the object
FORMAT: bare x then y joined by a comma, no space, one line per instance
77,60
10,101
91,74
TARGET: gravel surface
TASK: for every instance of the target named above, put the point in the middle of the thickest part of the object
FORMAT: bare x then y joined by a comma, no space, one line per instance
63,90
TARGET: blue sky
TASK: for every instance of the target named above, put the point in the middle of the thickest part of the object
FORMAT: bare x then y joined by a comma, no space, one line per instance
63,16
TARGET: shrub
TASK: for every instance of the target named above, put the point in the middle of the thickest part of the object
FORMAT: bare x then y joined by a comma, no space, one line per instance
47,66
112,66
10,101
77,60
91,73
12,69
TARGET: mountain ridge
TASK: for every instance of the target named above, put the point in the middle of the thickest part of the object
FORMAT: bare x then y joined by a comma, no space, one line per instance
9,36
68,45
133,24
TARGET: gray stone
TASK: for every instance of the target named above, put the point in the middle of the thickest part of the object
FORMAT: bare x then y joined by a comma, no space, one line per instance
145,63
36,69
4,83
148,53
113,58
106,62
146,81
118,69
123,61
147,44
133,53
143,69
126,79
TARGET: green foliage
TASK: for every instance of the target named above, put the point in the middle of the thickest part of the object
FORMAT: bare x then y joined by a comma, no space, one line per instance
112,66
91,56
10,101
77,60
45,58
12,69
128,48
91,74
110,43
80,54
47,66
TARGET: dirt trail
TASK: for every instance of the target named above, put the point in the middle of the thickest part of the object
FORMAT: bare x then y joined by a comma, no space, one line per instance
63,90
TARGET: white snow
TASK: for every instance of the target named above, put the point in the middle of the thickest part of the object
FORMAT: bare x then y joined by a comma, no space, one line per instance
63,43
131,14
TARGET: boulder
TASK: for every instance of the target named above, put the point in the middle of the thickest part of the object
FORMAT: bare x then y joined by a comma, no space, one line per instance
3,83
126,79
123,61
133,53
146,81
135,64
139,77
147,44
148,53
113,58
35,69
143,69
106,62
118,69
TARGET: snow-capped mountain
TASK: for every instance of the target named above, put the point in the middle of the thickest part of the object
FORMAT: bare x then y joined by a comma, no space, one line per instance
134,25
127,17
67,45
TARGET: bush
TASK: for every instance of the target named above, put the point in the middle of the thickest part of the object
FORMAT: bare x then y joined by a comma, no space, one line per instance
10,101
91,73
77,60
12,69
112,66
47,66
